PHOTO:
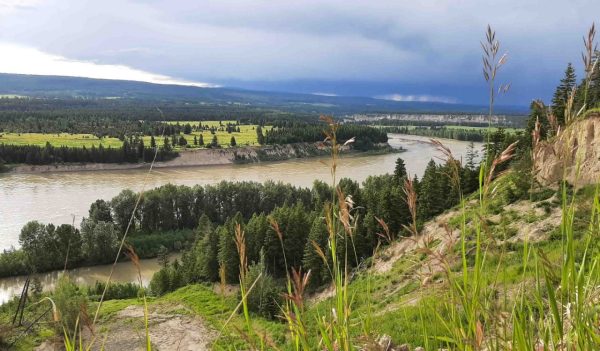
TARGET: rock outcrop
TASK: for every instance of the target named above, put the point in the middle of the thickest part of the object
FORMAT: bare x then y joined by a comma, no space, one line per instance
574,154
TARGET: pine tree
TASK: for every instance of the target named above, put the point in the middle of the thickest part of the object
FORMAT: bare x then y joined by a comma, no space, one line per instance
312,260
259,135
429,195
201,140
152,141
182,141
195,140
399,171
232,142
562,93
214,142
207,255
228,254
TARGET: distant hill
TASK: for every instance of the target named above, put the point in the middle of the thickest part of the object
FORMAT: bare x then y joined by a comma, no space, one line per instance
74,87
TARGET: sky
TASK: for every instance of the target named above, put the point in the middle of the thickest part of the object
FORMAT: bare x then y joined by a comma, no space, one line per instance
426,50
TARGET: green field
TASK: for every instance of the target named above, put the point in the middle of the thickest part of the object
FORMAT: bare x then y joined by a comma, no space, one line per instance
246,136
62,139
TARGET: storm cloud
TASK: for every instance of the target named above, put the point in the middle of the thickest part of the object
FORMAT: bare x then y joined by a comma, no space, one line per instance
417,50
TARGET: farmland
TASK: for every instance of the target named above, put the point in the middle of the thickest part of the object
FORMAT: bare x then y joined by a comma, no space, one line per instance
246,136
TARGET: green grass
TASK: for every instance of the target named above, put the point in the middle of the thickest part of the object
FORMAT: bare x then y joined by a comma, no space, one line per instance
62,139
246,137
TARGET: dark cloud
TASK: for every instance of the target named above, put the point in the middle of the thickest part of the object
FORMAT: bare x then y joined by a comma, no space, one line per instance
393,48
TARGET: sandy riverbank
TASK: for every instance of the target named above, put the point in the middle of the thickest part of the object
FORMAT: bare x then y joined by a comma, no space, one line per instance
202,157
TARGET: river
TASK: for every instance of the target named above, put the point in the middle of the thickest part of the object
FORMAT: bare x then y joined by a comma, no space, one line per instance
56,197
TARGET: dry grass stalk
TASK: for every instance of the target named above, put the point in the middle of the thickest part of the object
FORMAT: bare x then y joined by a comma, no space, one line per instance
300,282
492,62
346,204
448,158
506,155
590,48
240,244
386,235
411,201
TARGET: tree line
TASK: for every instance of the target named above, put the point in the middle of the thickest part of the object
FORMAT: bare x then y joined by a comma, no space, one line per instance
202,219
130,152
289,133
586,92
117,117
464,134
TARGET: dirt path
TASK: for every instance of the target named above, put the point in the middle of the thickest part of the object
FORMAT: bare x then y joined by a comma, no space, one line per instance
125,331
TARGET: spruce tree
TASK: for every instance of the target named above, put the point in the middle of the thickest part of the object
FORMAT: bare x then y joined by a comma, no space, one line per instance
207,252
400,171
312,260
232,143
259,135
562,93
214,142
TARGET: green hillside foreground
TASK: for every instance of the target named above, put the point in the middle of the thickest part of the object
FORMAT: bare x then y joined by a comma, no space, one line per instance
405,291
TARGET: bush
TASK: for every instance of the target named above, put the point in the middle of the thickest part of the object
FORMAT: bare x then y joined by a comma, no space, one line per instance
116,291
70,302
264,298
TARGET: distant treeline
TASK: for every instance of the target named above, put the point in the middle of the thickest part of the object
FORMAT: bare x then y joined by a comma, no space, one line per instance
130,152
108,117
510,121
464,134
289,132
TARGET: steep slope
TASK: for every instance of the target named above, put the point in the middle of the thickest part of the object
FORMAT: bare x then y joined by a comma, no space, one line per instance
575,152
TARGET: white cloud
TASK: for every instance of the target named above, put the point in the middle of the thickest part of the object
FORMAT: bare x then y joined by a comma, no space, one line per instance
417,98
324,94
24,60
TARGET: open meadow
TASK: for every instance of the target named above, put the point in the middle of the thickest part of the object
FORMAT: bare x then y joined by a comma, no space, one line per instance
245,137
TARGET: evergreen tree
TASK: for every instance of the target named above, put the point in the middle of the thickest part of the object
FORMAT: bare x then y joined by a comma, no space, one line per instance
259,135
208,256
400,171
201,140
141,149
562,93
430,192
264,299
195,140
152,142
312,261
182,141
232,142
228,253
214,142
166,144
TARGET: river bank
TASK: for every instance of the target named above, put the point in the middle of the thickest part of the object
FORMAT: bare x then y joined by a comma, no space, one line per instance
124,272
211,157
